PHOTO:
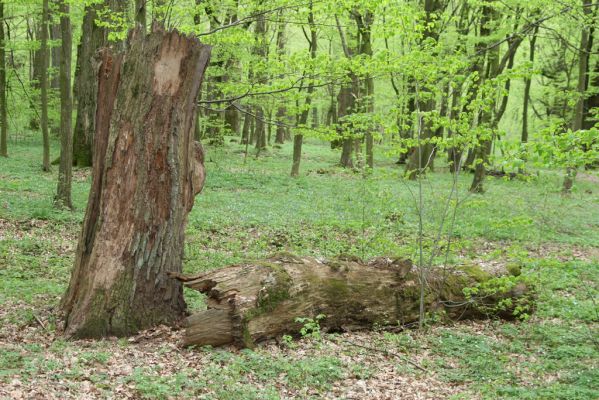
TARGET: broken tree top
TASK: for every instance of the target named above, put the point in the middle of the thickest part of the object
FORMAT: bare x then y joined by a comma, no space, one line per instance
249,303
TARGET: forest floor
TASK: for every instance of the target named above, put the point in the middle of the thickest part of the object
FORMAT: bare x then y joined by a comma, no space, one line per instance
250,210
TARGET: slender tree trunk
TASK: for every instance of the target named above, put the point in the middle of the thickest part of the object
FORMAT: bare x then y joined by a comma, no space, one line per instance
63,195
245,131
3,89
281,109
421,156
44,56
527,85
55,35
346,105
147,171
583,71
281,118
364,22
298,139
261,51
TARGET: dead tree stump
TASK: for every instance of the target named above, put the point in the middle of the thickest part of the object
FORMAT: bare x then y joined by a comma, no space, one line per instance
253,302
146,172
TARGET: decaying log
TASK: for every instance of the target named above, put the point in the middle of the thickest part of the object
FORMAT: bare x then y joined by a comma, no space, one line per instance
146,172
249,303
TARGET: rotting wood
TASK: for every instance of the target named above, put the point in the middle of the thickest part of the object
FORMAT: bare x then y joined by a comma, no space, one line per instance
250,303
146,173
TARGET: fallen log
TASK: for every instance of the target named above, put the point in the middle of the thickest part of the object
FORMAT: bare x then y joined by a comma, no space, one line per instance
249,303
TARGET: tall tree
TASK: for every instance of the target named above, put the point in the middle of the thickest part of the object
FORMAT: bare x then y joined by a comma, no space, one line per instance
527,86
584,51
44,62
298,138
63,195
421,156
364,21
3,88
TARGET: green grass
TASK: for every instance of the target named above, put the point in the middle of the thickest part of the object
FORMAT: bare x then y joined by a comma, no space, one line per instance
250,210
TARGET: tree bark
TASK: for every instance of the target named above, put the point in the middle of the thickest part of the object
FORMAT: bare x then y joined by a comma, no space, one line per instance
584,52
44,63
250,303
421,156
140,13
527,86
346,106
55,34
63,195
93,38
298,139
146,173
3,89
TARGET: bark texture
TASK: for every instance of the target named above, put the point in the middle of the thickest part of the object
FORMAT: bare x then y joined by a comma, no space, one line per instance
63,192
93,38
147,171
253,302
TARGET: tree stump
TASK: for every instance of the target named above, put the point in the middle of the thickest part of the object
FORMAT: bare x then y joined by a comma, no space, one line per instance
253,302
146,172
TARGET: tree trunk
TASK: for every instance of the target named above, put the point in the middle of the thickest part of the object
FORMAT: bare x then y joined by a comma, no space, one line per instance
281,119
146,173
63,195
298,139
420,157
44,56
583,71
364,22
251,303
55,35
297,154
93,38
527,85
140,13
346,106
3,111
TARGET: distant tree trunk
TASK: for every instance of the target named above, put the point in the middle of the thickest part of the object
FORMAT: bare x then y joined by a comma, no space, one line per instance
245,132
421,156
3,89
55,35
527,85
281,117
281,109
455,153
584,52
346,105
364,22
298,139
483,149
93,38
63,195
146,173
261,51
44,56
140,13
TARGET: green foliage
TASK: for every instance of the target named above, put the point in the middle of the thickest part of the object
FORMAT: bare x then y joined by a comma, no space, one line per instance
311,326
